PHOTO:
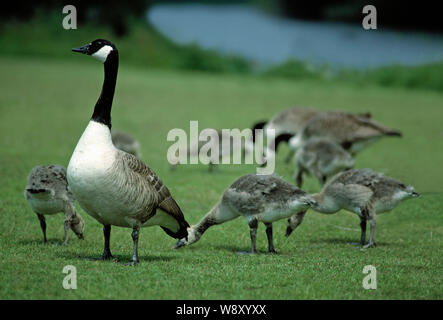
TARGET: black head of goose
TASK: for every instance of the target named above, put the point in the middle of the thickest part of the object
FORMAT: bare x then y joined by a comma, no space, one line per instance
114,187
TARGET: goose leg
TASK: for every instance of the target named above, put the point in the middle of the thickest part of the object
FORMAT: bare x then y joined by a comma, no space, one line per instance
42,220
107,251
363,231
135,233
270,238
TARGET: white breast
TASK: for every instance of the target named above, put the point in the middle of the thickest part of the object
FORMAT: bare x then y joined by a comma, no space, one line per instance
89,170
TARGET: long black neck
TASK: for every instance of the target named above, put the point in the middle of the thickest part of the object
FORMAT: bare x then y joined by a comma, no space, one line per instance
102,110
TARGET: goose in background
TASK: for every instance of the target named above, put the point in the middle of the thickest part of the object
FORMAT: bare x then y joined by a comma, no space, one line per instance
258,198
215,140
361,191
125,142
47,192
114,187
321,158
287,123
353,132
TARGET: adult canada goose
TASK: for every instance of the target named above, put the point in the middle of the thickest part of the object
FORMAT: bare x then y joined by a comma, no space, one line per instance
352,131
47,192
115,187
258,198
321,158
361,191
125,142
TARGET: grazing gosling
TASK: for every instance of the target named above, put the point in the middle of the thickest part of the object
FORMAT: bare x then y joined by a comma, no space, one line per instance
321,158
125,142
353,132
258,198
47,192
362,191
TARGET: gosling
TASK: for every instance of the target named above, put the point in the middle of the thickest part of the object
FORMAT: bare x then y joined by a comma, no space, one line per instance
362,191
321,158
258,198
47,192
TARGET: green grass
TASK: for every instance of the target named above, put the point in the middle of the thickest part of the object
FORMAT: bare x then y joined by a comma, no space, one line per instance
45,106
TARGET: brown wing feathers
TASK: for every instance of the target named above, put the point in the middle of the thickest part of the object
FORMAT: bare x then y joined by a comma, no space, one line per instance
162,196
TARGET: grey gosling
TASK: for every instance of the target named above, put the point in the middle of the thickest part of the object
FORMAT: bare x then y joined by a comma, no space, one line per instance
125,142
321,158
258,198
352,131
362,191
47,192
115,187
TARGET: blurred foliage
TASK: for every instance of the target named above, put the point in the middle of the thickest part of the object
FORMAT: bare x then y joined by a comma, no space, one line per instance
111,13
43,35
144,47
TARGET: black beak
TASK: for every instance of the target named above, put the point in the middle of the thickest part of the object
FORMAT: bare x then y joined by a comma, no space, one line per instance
84,49
415,194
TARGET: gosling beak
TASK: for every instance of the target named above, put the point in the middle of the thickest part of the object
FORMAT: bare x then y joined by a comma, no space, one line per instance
415,194
180,243
84,49
80,236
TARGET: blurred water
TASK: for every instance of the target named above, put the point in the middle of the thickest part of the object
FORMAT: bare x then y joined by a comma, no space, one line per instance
265,39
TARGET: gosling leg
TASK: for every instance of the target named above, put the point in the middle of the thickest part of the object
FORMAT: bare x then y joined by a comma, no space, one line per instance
363,231
253,225
371,242
42,220
270,238
67,226
299,177
289,156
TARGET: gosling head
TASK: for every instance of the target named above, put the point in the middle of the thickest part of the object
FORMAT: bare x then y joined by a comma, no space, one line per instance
100,49
191,238
77,226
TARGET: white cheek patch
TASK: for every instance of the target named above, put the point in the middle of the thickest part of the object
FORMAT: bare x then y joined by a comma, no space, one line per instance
103,53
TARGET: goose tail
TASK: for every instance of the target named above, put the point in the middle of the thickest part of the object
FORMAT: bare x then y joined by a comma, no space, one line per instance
171,207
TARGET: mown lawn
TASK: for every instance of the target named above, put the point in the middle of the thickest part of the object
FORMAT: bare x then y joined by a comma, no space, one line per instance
45,106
